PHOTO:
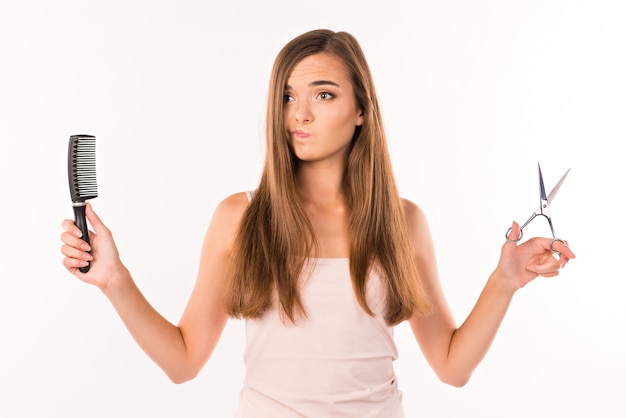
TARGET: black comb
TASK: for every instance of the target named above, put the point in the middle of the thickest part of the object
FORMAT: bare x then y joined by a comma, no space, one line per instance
81,171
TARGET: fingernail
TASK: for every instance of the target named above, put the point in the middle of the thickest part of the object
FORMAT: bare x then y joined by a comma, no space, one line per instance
85,247
531,268
78,233
87,256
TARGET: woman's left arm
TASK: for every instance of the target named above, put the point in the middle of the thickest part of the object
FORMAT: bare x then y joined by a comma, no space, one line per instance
454,352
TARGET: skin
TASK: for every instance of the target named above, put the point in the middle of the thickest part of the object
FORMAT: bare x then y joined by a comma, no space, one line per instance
321,118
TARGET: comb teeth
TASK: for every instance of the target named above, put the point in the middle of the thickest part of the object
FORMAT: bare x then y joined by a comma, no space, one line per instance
82,167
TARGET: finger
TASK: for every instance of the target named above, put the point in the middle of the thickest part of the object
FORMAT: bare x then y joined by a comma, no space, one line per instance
564,252
75,254
94,220
69,226
548,269
514,234
544,271
564,259
72,240
562,248
73,264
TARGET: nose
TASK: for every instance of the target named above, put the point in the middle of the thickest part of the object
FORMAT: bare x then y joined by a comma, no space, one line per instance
303,112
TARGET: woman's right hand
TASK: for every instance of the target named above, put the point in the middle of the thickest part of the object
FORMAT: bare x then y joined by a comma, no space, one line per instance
102,253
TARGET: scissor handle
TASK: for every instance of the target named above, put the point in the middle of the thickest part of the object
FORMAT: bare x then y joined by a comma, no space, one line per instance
552,243
521,234
508,232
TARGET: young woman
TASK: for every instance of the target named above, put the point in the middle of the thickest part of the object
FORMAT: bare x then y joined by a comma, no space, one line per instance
322,259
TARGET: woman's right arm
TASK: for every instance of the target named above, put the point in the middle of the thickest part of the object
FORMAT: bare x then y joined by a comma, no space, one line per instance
181,351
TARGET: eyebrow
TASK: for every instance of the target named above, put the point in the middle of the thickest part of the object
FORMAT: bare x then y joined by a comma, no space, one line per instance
317,83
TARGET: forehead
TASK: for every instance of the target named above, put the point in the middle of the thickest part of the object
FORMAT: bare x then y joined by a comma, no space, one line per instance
320,67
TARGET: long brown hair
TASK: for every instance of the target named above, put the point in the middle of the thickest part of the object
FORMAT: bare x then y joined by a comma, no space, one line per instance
275,235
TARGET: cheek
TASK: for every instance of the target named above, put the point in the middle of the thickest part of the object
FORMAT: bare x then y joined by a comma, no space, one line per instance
345,122
287,116
332,115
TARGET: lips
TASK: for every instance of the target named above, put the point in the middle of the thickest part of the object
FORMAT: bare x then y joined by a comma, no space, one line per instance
300,134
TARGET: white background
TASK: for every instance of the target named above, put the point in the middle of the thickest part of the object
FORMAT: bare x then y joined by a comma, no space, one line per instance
474,94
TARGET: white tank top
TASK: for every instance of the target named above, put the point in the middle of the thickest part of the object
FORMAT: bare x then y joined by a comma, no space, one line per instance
336,362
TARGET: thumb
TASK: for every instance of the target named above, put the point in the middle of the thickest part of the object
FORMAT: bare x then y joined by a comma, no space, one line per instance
94,219
514,234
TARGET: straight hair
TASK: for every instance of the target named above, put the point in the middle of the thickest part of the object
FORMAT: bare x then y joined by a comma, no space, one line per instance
275,237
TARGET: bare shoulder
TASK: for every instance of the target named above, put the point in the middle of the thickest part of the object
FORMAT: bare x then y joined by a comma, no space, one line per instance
419,230
232,206
414,214
226,219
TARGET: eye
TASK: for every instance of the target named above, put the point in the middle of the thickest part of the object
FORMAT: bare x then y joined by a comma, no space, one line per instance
287,98
325,95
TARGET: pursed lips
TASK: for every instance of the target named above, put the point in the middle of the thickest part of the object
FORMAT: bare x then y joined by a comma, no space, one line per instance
300,134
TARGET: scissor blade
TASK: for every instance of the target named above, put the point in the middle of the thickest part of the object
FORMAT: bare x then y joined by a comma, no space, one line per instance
557,187
542,189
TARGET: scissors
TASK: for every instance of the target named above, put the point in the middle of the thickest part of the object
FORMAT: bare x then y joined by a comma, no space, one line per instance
543,210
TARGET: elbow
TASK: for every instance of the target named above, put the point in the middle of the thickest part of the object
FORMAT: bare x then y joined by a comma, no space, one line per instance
179,380
181,376
457,383
457,380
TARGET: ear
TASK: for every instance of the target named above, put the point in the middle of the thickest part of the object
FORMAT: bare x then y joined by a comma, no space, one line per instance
360,118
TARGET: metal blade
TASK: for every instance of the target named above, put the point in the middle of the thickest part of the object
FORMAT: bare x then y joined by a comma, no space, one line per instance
542,189
557,187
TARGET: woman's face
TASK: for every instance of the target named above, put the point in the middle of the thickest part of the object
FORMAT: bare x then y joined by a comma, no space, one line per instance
321,112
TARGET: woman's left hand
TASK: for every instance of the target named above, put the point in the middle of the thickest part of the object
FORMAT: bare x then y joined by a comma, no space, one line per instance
522,263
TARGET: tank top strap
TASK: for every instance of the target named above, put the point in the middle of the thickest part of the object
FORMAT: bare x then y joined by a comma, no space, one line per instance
250,194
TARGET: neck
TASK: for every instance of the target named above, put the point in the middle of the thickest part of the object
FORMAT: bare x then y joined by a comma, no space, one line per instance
321,184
